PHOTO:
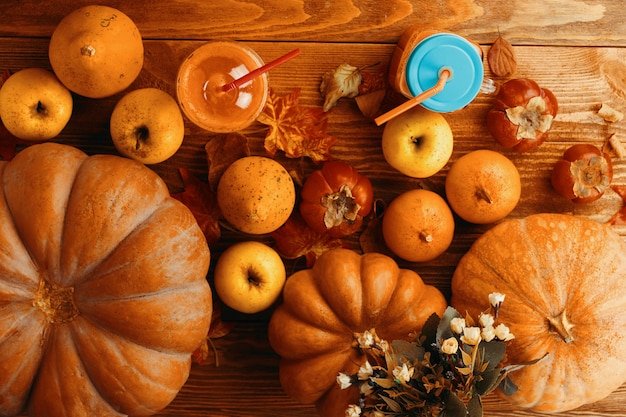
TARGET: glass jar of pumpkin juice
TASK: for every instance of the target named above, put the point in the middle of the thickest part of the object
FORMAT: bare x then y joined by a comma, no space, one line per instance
200,81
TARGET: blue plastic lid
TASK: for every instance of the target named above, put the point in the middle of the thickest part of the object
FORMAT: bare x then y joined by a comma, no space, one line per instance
445,51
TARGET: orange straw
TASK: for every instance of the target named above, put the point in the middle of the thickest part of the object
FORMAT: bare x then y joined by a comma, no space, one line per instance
263,69
443,78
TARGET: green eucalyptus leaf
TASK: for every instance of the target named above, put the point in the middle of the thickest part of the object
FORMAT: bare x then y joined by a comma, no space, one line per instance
507,386
453,406
488,381
429,330
493,353
443,329
407,350
475,406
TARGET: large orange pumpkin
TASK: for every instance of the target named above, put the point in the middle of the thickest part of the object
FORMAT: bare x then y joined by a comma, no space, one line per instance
103,290
344,294
563,278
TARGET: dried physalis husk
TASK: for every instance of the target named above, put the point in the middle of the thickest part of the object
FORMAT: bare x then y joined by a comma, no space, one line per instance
343,81
617,146
501,58
610,114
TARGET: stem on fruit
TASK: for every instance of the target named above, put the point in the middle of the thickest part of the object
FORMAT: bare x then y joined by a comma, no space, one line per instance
57,303
41,109
88,50
426,236
482,194
562,326
417,140
141,134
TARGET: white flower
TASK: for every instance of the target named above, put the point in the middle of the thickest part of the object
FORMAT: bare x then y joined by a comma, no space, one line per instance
486,320
471,335
503,333
496,299
450,346
353,410
365,371
403,373
344,380
457,325
488,333
384,345
366,340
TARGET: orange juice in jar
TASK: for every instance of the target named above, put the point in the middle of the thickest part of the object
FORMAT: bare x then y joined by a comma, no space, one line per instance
419,59
200,81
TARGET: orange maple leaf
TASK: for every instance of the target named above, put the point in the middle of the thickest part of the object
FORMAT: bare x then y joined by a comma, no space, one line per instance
373,81
296,130
221,151
295,239
202,202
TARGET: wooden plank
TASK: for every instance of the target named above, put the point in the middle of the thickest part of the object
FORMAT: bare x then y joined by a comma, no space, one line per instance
529,22
246,382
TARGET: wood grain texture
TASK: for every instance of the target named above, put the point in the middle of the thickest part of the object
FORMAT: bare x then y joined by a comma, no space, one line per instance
530,22
573,47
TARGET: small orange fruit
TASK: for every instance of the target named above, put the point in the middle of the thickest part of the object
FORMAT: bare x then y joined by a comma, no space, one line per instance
418,225
256,195
483,186
96,51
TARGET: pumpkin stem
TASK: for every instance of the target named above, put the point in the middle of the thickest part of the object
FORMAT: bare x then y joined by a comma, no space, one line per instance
562,326
57,303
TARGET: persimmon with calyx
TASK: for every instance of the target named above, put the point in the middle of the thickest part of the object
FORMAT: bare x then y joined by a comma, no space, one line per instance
583,173
418,225
522,114
483,186
335,199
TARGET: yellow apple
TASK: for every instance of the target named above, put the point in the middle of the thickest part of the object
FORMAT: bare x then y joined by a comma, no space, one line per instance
147,125
418,142
34,105
249,276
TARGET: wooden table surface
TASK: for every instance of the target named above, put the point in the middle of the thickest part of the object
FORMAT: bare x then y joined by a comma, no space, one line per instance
573,47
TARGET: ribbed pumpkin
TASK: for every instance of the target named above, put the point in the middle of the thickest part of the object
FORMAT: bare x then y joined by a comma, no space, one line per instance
344,294
103,290
565,297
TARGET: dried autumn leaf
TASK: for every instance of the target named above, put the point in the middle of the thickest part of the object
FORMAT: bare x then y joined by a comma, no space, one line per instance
370,103
371,239
218,328
223,150
373,81
296,130
343,81
202,202
295,239
619,218
501,58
